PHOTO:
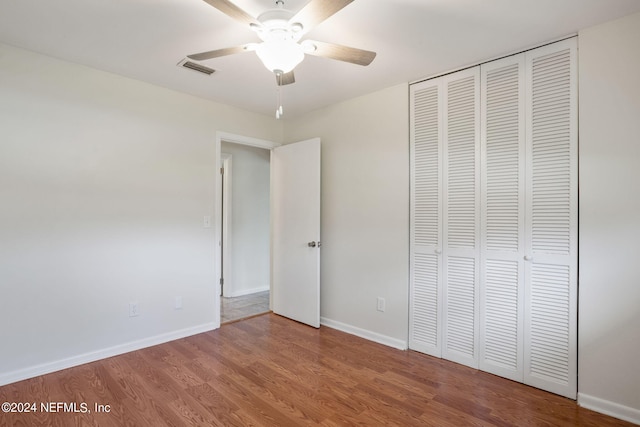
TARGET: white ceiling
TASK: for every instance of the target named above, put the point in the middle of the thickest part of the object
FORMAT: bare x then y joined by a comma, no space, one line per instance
145,39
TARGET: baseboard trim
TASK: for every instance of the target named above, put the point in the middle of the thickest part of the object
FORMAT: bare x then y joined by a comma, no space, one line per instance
607,407
81,359
366,334
248,292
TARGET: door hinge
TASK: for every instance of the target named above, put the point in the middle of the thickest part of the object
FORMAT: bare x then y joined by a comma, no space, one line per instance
221,171
221,281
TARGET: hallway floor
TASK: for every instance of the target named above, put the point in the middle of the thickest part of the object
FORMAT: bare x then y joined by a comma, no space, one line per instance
236,308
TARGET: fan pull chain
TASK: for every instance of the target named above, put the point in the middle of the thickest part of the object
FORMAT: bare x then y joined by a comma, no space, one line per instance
279,110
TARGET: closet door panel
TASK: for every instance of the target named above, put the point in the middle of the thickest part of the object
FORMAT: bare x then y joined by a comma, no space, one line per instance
502,217
551,249
425,326
493,274
461,188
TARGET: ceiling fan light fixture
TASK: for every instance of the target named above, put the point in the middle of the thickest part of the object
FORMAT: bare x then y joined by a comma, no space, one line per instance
280,55
280,31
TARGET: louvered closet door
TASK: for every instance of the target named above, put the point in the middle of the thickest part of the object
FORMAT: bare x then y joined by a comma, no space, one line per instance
425,328
551,218
461,213
502,218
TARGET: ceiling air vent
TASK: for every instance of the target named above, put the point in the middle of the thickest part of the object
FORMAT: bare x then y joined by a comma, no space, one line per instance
197,67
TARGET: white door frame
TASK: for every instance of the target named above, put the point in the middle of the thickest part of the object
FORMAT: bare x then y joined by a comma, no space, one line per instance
226,215
236,139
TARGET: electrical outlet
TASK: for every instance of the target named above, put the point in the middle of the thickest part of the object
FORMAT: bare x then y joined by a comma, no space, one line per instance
133,309
206,222
381,304
178,305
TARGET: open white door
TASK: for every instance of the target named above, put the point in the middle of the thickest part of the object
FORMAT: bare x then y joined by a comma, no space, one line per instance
295,227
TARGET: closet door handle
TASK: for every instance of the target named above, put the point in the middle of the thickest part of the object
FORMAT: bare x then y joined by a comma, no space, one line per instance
528,258
438,251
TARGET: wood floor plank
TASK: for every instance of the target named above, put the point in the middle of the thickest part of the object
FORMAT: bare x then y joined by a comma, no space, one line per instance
252,403
271,371
217,404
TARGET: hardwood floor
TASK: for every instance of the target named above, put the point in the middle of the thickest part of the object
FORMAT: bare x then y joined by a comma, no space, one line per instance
270,371
232,309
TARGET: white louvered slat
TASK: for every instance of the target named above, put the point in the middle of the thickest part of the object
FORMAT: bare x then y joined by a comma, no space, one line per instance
460,312
461,218
501,315
550,326
461,163
551,152
502,147
426,219
502,219
425,301
551,273
427,167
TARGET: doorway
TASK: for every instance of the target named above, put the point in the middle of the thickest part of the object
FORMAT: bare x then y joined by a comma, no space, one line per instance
245,238
294,231
243,231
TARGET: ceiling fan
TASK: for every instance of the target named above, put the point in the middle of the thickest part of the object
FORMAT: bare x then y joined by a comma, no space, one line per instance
280,31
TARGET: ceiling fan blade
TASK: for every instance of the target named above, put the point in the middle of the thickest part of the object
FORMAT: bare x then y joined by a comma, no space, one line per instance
285,79
342,53
218,52
317,11
230,9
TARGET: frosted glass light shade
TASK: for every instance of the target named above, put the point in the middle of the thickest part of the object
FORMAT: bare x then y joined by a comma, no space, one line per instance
282,55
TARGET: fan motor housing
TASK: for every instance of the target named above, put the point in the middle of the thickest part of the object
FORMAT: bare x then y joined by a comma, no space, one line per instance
276,25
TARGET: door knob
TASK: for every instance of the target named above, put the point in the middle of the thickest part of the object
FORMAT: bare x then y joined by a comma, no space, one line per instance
438,251
311,244
528,258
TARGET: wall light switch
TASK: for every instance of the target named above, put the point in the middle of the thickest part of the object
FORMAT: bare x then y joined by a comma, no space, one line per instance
133,309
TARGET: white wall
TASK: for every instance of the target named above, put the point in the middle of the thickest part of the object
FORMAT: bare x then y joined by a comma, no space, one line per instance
104,182
609,322
249,269
365,211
